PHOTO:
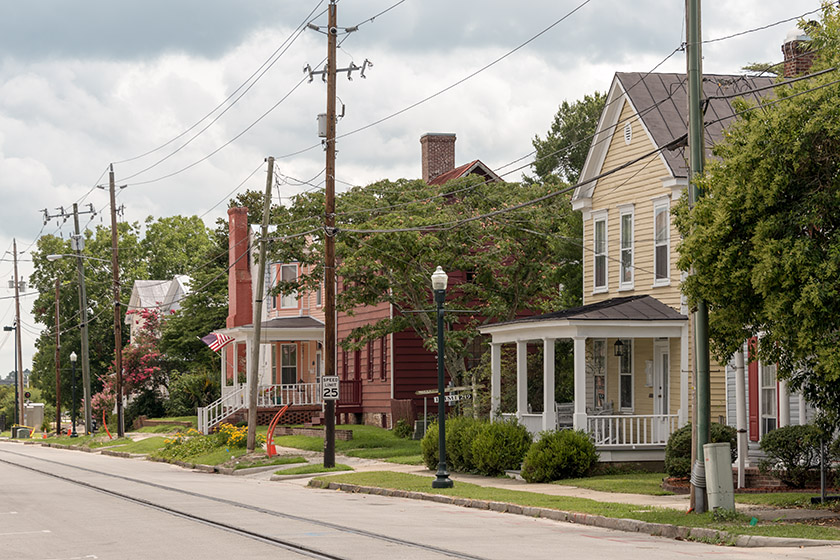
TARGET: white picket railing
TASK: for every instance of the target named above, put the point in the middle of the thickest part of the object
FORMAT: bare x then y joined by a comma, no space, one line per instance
267,396
213,413
635,430
293,394
533,422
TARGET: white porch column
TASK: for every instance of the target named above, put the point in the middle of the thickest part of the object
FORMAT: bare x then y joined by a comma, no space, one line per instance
784,404
521,378
579,419
247,368
683,412
741,415
495,379
223,366
549,413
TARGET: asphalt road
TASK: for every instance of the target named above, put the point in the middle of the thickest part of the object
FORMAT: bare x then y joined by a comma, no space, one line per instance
92,506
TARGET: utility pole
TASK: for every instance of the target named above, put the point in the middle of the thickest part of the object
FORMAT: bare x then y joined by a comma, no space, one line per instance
329,241
18,354
115,271
253,373
57,365
329,74
694,65
77,244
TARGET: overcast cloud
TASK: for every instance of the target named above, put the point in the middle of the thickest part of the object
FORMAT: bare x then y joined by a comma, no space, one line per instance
84,84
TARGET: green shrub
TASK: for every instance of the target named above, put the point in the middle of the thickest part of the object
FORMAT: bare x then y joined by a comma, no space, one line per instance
429,447
147,402
558,455
500,446
402,429
191,390
678,448
792,452
460,434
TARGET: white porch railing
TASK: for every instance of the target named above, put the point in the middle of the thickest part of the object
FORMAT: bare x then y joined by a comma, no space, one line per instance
213,413
268,395
533,422
295,394
634,430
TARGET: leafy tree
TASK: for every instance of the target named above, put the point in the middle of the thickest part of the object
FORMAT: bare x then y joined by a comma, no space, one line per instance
562,153
764,240
175,245
168,241
499,267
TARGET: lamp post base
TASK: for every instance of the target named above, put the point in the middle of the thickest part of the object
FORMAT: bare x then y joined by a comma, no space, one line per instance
442,479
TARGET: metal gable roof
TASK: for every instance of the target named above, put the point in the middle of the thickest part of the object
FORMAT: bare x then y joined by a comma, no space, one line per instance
630,308
660,100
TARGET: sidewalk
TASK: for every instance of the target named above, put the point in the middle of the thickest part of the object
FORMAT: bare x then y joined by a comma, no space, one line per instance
677,501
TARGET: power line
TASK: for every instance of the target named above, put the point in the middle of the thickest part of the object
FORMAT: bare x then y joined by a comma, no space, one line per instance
249,82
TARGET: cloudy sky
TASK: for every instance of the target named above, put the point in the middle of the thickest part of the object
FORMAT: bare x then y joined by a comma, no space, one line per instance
85,84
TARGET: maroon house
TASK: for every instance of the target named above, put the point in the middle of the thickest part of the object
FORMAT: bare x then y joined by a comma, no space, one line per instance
378,381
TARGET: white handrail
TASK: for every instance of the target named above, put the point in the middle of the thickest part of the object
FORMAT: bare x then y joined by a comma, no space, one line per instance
213,413
267,396
636,430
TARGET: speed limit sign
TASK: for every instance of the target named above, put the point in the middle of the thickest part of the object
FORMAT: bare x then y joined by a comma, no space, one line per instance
329,388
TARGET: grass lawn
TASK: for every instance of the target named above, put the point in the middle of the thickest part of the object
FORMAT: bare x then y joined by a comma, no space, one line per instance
146,445
314,469
635,483
168,428
739,525
369,442
270,462
778,499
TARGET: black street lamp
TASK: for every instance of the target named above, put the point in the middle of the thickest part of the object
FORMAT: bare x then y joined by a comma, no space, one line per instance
8,329
439,281
73,359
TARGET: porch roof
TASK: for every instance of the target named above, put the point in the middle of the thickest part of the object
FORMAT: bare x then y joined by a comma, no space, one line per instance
638,316
281,328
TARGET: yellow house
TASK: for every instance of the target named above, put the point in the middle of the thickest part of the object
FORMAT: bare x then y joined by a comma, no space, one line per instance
633,337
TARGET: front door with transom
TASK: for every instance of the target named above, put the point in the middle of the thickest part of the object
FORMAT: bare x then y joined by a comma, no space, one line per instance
661,388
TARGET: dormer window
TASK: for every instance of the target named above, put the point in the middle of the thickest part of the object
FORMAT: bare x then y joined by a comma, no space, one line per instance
288,273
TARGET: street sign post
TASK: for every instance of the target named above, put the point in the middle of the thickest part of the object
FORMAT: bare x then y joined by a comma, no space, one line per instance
329,388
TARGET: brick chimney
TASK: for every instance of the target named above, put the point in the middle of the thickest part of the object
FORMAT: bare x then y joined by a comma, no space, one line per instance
240,306
438,154
798,54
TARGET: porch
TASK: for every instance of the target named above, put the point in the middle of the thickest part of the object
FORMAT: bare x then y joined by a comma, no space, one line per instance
271,398
629,395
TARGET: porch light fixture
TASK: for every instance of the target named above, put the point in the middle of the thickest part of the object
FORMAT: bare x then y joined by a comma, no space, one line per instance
619,348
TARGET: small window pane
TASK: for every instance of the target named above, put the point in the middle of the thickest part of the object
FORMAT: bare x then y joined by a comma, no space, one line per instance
626,392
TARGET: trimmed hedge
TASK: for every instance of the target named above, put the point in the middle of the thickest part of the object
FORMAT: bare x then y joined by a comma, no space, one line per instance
678,448
558,455
478,446
792,452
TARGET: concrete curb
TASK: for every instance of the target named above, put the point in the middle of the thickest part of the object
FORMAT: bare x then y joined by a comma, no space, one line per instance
628,525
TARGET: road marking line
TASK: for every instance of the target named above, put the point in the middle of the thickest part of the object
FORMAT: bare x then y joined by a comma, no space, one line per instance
26,532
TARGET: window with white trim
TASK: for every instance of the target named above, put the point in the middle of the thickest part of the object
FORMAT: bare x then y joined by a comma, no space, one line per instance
272,281
625,279
625,376
288,364
288,273
599,224
661,242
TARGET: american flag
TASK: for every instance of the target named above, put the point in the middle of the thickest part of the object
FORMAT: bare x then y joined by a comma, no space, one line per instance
216,341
